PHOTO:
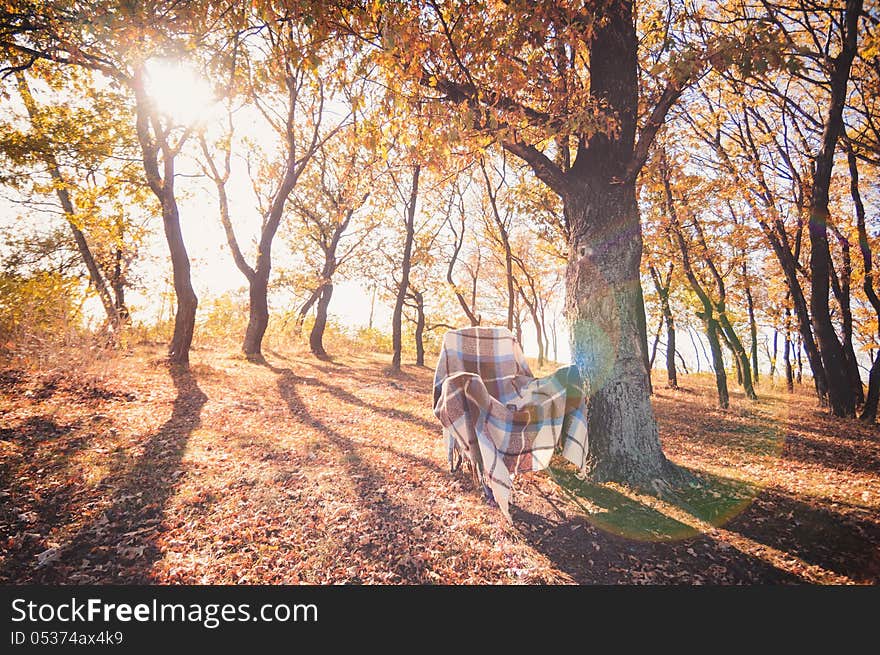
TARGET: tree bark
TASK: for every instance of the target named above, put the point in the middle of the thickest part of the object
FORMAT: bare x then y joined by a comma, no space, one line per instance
162,185
316,337
840,285
604,309
603,298
840,396
397,316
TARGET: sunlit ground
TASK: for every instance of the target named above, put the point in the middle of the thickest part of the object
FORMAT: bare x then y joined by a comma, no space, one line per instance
300,471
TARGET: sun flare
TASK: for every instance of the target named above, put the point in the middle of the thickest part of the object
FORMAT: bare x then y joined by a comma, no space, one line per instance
179,91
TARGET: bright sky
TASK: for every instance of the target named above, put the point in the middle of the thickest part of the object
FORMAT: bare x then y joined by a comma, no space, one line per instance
186,97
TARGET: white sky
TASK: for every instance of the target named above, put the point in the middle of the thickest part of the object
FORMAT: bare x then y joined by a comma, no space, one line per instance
213,270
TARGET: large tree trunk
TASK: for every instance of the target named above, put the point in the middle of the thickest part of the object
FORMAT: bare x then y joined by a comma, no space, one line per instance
258,314
840,396
869,412
403,288
604,307
316,338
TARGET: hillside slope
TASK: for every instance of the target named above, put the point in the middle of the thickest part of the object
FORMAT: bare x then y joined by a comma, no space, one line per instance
301,471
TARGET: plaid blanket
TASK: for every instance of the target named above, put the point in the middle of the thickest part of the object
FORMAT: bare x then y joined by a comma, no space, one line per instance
501,417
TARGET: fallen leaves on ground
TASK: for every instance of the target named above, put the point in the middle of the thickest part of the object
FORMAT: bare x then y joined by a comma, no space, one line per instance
302,471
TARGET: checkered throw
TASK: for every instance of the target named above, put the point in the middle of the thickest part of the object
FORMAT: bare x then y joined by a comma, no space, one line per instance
501,417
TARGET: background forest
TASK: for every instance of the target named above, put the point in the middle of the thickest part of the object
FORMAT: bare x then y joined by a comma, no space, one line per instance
234,234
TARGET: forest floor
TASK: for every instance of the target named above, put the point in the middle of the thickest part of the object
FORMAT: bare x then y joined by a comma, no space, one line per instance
302,471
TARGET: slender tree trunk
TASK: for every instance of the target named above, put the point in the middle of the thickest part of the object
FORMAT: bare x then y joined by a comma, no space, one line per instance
840,396
508,255
691,332
316,337
789,373
800,362
372,307
553,334
543,316
666,309
753,326
96,276
397,316
306,307
531,305
739,355
869,409
684,366
517,324
708,315
735,357
656,342
840,284
775,354
459,242
741,359
117,283
671,372
162,185
717,359
420,327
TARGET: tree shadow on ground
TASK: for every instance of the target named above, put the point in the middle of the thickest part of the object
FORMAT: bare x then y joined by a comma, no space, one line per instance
389,521
28,513
831,453
119,544
768,537
346,396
